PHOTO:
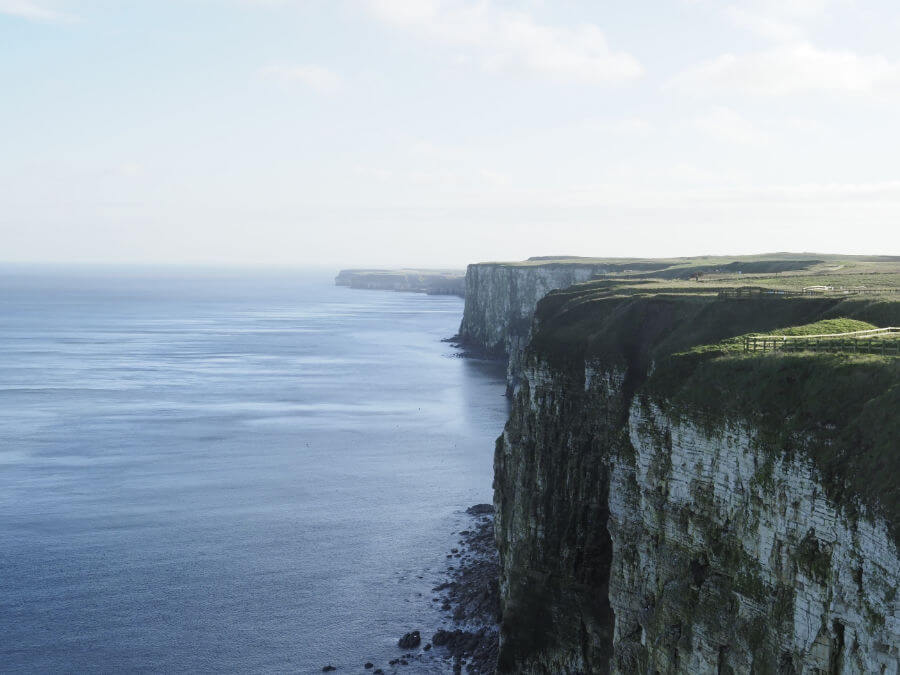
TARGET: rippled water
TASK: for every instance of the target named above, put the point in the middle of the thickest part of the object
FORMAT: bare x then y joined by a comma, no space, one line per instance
228,470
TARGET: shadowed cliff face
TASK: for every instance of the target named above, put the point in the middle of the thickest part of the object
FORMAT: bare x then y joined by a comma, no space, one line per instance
642,528
551,479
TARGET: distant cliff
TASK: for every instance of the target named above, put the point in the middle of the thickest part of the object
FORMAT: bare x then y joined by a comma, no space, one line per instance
501,299
432,282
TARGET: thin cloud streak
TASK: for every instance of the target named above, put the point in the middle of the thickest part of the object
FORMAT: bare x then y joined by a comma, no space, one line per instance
725,124
512,41
312,76
791,69
25,9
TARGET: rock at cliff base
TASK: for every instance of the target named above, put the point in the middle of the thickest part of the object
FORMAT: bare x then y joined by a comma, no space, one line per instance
480,510
410,640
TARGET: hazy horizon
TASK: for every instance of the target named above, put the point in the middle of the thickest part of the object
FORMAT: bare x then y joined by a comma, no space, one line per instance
435,133
124,266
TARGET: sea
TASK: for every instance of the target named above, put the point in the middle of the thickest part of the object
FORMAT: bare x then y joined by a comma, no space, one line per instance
229,469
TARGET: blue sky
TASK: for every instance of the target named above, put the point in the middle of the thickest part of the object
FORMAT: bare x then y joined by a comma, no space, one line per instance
440,132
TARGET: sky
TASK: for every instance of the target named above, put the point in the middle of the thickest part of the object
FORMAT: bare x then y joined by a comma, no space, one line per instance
443,132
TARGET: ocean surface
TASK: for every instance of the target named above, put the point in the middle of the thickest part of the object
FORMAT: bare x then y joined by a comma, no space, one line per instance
229,470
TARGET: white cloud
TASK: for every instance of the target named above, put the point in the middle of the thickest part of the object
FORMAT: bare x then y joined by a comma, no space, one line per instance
799,8
495,178
130,169
724,124
631,126
684,185
26,9
765,25
884,192
792,69
315,77
374,172
512,41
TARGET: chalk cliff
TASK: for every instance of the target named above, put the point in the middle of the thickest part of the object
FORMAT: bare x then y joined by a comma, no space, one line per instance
432,282
501,299
674,509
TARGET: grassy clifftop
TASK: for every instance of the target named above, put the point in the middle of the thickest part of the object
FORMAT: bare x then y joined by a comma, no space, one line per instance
793,270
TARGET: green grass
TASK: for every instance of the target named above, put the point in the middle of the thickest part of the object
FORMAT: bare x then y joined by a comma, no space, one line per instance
789,271
826,326
736,344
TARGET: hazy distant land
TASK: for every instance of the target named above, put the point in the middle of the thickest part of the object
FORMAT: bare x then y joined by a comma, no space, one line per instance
432,282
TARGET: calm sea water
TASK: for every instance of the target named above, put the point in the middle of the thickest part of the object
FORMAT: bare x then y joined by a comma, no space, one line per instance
228,470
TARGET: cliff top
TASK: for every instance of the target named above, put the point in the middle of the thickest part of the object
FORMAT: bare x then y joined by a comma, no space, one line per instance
790,271
686,266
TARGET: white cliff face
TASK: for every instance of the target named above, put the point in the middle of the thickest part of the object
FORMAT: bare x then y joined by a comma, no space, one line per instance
642,542
742,555
501,300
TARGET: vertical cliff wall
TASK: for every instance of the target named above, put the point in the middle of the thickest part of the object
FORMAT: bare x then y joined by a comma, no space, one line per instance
731,557
501,299
698,512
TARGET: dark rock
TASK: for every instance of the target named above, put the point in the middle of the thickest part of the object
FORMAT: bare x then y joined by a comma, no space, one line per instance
328,669
378,671
427,647
472,596
441,638
410,640
368,665
481,510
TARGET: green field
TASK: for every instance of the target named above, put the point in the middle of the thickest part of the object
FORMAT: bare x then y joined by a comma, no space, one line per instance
789,271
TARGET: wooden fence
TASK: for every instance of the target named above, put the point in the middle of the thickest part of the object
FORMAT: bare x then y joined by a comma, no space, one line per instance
884,341
760,291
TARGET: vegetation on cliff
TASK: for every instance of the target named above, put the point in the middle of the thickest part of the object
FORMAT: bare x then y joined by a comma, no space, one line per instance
840,410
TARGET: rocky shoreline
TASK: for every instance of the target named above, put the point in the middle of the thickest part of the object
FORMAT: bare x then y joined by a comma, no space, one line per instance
469,639
472,597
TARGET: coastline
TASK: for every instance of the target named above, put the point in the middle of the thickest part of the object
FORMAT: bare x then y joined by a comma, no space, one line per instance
468,638
467,588
430,282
